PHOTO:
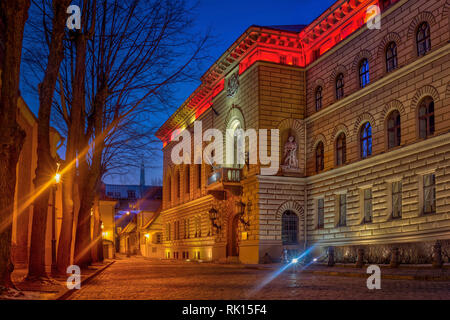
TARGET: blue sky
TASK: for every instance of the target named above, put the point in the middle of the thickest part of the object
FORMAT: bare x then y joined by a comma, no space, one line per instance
227,20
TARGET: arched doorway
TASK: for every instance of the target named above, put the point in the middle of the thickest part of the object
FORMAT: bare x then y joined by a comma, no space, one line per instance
233,238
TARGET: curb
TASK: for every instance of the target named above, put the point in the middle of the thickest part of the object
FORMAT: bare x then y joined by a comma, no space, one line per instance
386,276
68,292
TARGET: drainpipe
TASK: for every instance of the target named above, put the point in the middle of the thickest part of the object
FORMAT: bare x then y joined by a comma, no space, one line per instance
306,191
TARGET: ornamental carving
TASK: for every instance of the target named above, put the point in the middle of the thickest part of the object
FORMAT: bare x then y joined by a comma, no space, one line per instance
233,85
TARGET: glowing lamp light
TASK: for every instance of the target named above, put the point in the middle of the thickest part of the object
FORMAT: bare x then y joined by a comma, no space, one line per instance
315,259
128,213
294,261
58,178
147,235
102,226
105,234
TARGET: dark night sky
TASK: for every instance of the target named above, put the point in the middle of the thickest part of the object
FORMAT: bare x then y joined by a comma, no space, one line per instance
227,20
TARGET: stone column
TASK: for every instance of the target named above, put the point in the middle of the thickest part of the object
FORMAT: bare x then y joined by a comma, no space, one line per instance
331,256
437,255
360,260
395,258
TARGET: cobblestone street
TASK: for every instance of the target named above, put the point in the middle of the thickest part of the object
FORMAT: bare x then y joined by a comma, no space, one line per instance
141,279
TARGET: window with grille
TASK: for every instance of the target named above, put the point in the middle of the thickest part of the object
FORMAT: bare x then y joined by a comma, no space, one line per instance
339,86
318,98
429,194
368,205
342,210
394,129
366,140
289,228
320,213
396,200
426,118
319,157
364,78
391,57
423,39
341,149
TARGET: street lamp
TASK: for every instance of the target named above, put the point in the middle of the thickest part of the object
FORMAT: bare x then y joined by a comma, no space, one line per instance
213,216
55,186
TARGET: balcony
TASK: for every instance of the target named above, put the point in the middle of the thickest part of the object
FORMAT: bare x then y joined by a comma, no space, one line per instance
225,179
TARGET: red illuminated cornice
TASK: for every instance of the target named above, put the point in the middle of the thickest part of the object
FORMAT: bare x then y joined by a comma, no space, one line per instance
274,45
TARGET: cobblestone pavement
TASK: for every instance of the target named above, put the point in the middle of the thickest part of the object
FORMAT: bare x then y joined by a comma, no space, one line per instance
141,279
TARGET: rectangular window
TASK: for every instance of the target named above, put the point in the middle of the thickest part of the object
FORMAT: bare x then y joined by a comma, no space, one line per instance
320,213
199,176
131,194
368,205
342,210
429,194
396,200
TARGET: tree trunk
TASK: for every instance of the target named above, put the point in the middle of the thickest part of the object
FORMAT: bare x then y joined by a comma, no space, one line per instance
45,163
14,16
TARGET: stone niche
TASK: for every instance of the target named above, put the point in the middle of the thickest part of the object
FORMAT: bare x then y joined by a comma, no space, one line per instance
409,253
292,129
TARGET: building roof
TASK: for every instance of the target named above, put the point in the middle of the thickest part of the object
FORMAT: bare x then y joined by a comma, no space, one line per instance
288,28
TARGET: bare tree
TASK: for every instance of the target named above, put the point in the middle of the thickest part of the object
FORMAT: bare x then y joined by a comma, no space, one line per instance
14,14
45,163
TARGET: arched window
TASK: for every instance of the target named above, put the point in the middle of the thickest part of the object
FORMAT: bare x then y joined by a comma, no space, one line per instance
391,57
169,189
394,130
341,149
339,86
364,78
319,98
199,176
426,117
319,157
188,179
235,143
366,140
289,227
178,182
423,39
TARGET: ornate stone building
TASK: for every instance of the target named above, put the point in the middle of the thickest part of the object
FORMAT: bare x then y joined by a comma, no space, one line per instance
364,121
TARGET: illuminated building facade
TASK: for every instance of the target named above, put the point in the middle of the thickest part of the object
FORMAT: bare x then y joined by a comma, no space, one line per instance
364,115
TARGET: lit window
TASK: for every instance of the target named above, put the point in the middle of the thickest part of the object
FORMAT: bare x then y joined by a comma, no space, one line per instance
394,130
289,228
366,140
364,73
341,149
423,39
391,57
320,213
342,210
426,118
319,157
319,98
339,86
396,200
429,194
368,205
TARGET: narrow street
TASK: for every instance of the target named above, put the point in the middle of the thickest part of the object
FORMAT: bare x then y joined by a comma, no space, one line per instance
141,279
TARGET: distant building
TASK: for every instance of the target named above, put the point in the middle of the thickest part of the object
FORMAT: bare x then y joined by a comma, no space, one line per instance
134,206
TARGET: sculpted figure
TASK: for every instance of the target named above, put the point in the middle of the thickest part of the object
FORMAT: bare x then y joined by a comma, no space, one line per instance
290,153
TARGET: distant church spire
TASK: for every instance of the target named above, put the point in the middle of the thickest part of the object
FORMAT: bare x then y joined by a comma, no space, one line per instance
142,180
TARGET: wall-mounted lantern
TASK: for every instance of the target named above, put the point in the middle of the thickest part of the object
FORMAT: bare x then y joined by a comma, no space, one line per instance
213,216
243,218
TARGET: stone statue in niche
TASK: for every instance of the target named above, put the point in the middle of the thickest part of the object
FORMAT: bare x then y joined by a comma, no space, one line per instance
290,160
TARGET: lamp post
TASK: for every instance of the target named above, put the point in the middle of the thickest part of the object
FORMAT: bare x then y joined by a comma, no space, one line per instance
54,188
